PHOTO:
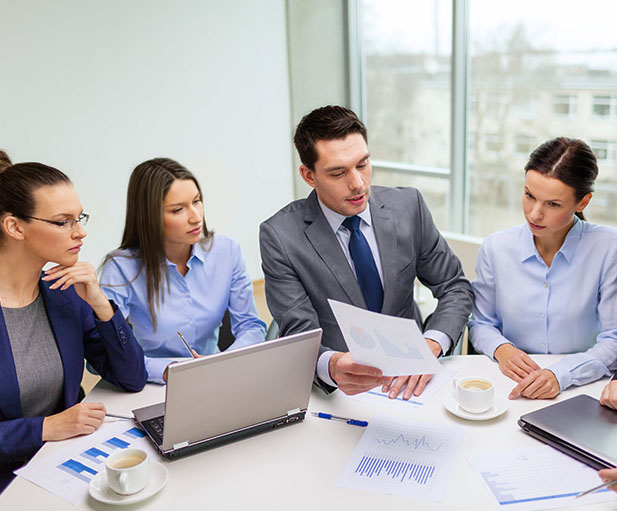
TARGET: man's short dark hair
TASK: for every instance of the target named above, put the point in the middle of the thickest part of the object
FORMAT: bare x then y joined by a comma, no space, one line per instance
326,123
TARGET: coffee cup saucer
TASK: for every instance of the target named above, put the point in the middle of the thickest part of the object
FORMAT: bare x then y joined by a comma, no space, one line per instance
500,405
99,490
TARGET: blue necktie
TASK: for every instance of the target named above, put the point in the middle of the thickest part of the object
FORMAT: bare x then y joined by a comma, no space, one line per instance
366,270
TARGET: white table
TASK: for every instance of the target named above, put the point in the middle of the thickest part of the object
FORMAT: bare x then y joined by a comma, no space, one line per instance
296,467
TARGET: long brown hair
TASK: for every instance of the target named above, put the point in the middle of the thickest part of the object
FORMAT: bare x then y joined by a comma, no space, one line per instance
571,161
144,229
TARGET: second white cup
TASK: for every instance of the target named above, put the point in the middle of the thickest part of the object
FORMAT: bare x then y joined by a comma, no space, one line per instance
128,471
475,394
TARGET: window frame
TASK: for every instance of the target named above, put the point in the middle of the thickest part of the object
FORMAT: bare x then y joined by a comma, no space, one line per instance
459,107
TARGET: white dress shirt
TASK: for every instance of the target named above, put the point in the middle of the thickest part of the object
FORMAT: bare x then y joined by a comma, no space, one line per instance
342,235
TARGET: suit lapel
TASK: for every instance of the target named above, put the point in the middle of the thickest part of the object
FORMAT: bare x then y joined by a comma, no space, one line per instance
384,227
10,399
66,328
328,248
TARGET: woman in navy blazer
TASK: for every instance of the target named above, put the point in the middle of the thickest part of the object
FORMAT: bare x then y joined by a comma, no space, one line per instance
41,221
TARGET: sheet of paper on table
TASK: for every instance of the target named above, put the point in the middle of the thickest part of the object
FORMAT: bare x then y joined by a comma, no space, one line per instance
537,478
67,472
394,345
450,368
411,459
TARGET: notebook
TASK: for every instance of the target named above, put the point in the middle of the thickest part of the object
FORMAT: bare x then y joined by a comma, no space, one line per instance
220,398
580,427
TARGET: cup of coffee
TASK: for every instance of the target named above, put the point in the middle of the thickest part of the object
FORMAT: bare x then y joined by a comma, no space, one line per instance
128,471
474,394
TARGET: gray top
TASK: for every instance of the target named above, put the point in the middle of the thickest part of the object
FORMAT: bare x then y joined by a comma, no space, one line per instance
40,373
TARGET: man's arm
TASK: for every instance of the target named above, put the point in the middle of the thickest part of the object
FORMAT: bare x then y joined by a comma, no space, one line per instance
440,270
286,296
292,309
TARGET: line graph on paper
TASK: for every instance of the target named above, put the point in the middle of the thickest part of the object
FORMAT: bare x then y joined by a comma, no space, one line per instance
403,458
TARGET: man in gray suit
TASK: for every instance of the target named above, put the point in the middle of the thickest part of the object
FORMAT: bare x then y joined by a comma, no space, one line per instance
360,245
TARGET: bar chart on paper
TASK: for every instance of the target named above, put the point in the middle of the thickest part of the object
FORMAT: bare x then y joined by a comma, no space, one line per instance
402,458
68,472
536,478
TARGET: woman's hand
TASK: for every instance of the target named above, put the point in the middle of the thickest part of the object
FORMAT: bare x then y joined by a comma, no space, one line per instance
540,384
609,395
514,363
81,419
609,474
83,279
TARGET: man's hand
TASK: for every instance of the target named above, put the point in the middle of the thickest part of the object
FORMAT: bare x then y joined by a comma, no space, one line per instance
414,384
540,384
514,363
353,378
609,395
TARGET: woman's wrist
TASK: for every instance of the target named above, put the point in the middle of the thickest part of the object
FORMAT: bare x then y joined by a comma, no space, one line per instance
102,308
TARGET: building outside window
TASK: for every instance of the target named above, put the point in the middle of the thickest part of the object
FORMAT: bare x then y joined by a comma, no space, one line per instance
564,105
524,144
605,151
459,120
605,106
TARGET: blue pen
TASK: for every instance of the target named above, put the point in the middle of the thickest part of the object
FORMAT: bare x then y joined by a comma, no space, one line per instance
353,422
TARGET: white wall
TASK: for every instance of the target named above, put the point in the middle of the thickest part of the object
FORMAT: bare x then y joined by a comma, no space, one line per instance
317,42
96,87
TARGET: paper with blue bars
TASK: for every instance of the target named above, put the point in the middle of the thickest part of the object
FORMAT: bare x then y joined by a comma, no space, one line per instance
412,459
537,477
67,472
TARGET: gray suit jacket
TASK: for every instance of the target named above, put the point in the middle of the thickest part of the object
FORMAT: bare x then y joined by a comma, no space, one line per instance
304,265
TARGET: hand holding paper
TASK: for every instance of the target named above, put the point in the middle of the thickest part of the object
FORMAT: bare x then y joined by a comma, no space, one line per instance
394,345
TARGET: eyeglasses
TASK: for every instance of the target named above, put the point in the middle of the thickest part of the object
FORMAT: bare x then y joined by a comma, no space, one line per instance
67,224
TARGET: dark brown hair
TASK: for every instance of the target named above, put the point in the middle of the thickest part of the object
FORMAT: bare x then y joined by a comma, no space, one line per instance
144,228
5,161
568,159
19,182
325,123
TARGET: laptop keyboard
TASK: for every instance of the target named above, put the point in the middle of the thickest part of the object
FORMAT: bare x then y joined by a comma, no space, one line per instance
155,428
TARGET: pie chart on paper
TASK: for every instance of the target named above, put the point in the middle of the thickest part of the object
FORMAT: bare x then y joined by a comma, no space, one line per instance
363,339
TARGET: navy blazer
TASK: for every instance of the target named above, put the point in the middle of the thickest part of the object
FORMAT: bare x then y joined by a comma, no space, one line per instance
109,346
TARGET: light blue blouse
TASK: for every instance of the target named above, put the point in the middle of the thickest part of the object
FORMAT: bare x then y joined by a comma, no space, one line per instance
194,304
569,307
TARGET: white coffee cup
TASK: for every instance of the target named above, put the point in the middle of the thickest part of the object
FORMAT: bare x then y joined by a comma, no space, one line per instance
128,471
475,394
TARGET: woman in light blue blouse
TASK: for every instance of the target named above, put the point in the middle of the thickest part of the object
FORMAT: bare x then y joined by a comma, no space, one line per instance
172,274
550,285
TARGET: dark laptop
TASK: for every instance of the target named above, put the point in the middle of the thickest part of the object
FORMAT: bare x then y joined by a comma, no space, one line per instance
216,399
580,427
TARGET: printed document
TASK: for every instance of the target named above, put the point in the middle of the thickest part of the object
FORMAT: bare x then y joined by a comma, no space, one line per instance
411,459
394,345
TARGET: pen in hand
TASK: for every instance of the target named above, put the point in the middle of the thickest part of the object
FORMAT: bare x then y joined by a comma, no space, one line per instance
353,422
596,488
186,345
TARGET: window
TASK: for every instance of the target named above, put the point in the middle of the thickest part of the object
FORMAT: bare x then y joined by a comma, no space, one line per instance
605,106
564,105
526,106
524,144
493,145
605,151
456,95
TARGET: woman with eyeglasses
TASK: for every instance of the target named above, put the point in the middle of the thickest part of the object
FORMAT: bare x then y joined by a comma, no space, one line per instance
51,320
171,274
550,285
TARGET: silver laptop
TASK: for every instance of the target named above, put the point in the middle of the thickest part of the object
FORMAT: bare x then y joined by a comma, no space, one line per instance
216,399
580,427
